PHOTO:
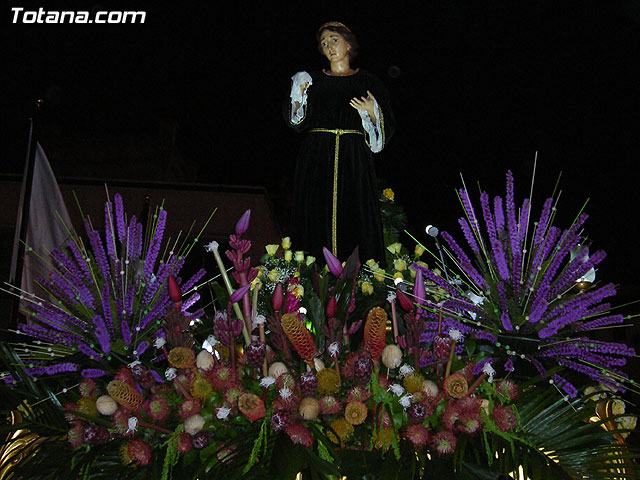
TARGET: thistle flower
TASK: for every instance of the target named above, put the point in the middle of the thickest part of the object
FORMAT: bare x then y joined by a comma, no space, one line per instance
329,405
416,434
444,442
158,409
189,408
504,417
136,452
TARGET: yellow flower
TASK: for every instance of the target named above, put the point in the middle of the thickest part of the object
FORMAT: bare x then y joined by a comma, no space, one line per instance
372,264
310,260
343,430
256,283
273,275
399,264
398,275
328,381
367,288
388,194
419,250
395,248
286,243
271,249
288,255
299,256
296,289
260,271
379,275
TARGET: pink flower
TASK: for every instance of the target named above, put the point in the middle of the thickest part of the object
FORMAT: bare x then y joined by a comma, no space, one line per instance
504,417
333,263
243,223
300,435
450,415
444,442
416,434
329,405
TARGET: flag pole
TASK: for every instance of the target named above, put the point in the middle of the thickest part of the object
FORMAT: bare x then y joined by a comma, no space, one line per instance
22,218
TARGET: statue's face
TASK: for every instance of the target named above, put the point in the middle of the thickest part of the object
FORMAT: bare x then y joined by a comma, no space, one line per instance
334,46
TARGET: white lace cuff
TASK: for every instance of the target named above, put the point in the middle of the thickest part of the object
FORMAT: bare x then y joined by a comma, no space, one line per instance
374,132
298,80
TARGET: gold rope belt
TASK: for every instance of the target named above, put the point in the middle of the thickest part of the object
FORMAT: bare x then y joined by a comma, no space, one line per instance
334,214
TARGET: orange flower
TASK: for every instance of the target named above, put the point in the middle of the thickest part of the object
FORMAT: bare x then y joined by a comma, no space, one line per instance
299,336
375,332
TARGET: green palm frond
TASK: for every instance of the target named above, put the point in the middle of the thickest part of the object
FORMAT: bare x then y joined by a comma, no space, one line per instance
556,440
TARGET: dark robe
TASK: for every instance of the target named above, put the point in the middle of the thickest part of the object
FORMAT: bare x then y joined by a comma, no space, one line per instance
358,212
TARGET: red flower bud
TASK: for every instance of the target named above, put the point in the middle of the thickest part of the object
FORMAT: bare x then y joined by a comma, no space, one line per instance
174,290
332,307
278,298
404,301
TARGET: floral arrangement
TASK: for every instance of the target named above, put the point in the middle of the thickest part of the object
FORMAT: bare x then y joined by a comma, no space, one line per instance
344,366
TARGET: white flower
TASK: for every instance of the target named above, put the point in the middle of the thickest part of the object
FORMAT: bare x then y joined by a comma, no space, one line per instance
285,392
223,412
266,382
204,360
396,389
391,296
488,369
209,343
159,342
193,424
334,349
258,320
406,370
456,335
210,247
405,401
134,363
170,373
132,424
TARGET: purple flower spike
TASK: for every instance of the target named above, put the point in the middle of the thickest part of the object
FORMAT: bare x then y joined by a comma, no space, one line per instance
243,223
238,294
418,288
333,263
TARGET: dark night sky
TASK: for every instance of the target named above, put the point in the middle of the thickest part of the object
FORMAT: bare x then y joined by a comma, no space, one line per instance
477,88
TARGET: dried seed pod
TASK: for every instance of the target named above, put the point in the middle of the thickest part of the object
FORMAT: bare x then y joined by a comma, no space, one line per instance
125,395
375,332
299,336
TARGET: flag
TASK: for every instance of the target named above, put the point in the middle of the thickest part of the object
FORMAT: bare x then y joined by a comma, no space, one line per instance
48,221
